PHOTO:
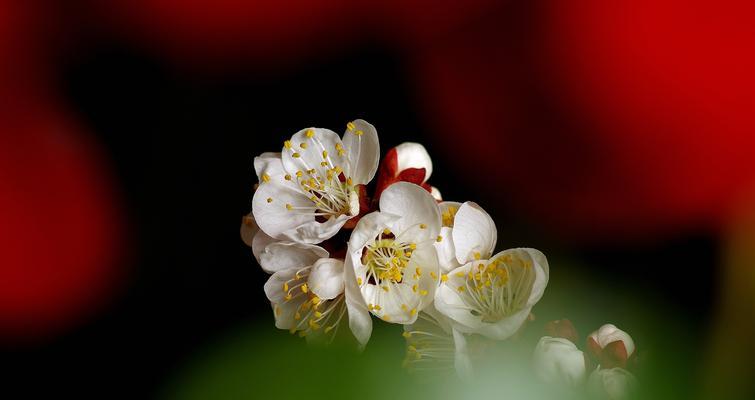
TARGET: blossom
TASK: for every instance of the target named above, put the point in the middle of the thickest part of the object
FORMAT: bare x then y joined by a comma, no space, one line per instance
316,184
467,234
611,383
309,300
432,343
610,346
559,361
391,265
493,297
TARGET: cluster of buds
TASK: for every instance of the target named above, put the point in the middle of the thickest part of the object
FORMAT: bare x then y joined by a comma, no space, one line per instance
603,372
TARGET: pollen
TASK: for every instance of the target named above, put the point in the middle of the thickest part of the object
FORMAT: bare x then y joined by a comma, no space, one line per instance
476,255
296,155
406,334
287,144
439,239
303,145
461,288
422,226
289,207
444,278
309,133
287,177
359,281
350,126
304,288
269,199
324,154
423,292
359,133
265,178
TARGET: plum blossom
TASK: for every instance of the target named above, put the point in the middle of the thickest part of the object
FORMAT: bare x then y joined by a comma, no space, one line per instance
316,184
391,265
493,297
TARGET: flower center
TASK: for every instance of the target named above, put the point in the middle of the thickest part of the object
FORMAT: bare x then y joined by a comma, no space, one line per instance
386,258
312,314
498,289
448,216
330,195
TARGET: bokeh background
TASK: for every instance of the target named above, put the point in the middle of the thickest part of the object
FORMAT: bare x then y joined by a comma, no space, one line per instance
618,137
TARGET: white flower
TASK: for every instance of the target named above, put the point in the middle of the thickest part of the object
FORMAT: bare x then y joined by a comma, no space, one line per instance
308,299
559,361
431,343
311,189
611,384
468,233
493,297
391,264
608,334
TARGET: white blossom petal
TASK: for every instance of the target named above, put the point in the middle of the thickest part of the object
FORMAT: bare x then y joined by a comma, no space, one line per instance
611,384
278,256
326,278
363,151
446,250
360,321
474,233
276,210
260,241
304,151
420,216
559,361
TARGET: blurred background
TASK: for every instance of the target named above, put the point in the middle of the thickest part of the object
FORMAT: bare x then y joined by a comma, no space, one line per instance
618,137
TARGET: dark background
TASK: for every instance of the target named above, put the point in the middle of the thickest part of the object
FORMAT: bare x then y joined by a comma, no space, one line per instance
614,138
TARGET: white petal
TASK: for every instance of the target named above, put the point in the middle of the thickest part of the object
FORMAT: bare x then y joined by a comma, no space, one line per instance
298,158
362,150
542,272
446,250
268,164
368,227
314,231
260,241
249,228
269,206
474,232
449,303
559,361
360,321
326,278
278,256
611,384
414,155
609,333
282,310
420,216
462,360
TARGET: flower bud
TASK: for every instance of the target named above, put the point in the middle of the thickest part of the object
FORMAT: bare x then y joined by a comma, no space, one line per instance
562,328
413,155
559,361
611,384
610,346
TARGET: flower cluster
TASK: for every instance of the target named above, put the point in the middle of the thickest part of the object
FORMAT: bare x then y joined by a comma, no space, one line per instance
611,352
343,249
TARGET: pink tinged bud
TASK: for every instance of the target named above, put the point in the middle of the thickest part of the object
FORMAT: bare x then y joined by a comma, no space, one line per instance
413,155
562,328
610,346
